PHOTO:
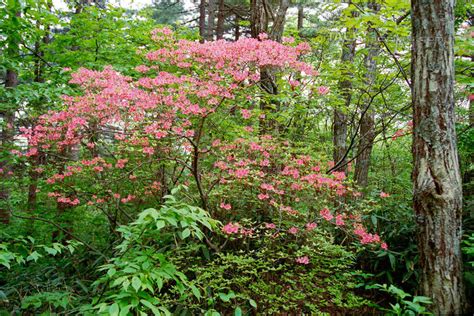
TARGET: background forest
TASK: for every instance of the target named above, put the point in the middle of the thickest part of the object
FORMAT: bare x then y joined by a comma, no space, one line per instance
221,157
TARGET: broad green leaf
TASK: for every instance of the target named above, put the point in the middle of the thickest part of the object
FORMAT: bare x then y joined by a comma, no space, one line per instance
136,283
185,233
114,309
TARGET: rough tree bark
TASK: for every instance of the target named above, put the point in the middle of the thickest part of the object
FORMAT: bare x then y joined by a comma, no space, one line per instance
299,24
437,184
278,25
367,123
345,86
220,20
211,18
202,20
258,18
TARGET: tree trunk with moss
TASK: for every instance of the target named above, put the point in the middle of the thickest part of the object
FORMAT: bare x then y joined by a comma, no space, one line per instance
436,176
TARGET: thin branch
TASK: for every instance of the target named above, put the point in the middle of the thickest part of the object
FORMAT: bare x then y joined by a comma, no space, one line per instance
60,228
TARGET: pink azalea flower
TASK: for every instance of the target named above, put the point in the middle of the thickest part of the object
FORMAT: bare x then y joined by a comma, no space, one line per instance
246,231
339,220
326,214
384,246
262,36
302,260
216,143
384,195
246,114
225,206
293,230
241,173
231,228
311,226
270,226
148,150
323,90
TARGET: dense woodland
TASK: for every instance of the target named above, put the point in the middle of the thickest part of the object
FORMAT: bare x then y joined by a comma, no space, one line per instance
236,157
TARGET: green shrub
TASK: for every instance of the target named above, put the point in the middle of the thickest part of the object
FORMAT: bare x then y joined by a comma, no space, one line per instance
139,274
268,280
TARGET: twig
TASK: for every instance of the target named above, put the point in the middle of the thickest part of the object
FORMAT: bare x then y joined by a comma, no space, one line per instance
62,229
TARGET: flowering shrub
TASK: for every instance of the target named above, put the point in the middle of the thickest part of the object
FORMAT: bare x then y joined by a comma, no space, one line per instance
266,176
121,128
197,114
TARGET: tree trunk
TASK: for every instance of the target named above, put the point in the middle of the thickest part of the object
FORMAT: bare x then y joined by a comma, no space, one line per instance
237,28
211,17
366,142
340,136
437,185
278,25
220,20
340,118
259,23
8,130
258,18
6,140
202,20
367,124
299,24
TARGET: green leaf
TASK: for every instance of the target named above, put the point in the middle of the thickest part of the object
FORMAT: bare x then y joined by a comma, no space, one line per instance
392,259
227,297
126,284
373,218
111,272
125,311
160,224
252,303
196,291
414,306
185,233
159,282
33,256
150,305
136,283
238,311
172,221
119,281
51,251
422,299
129,270
114,310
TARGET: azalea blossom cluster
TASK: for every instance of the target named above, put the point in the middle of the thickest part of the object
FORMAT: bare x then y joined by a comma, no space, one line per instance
235,228
120,126
278,180
274,181
121,133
